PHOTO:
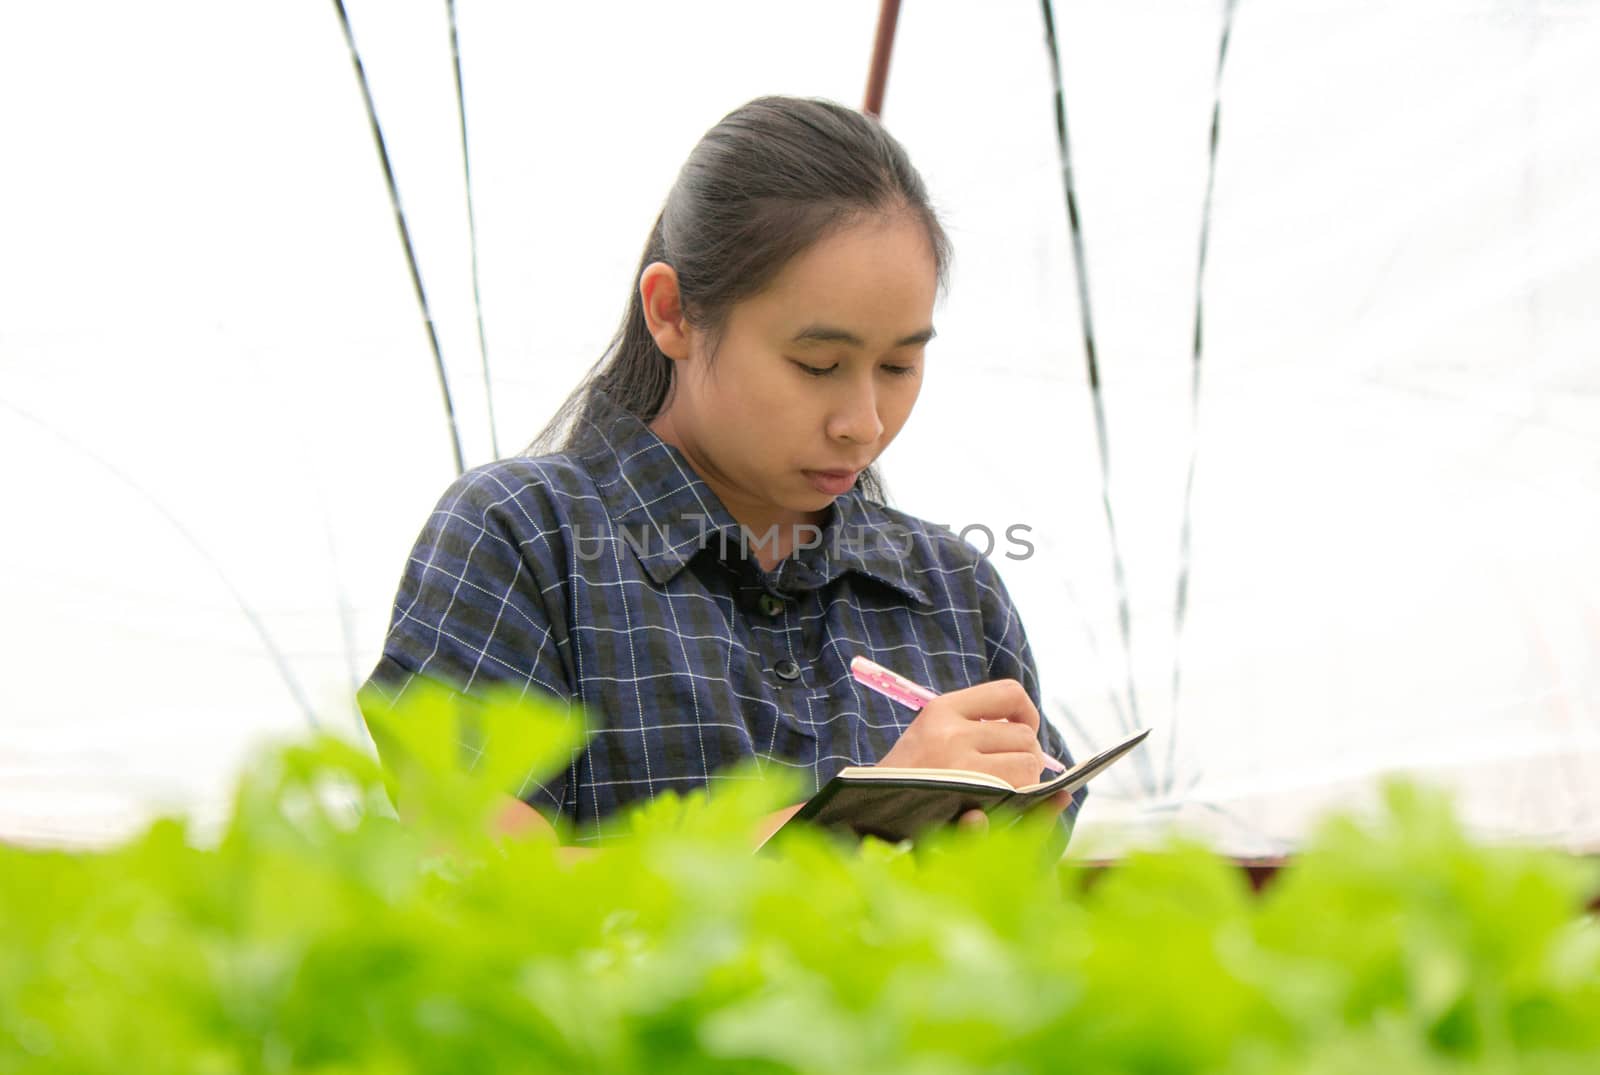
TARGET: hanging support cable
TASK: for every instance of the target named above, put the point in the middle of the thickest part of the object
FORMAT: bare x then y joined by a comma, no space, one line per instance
472,227
1180,606
405,233
1124,616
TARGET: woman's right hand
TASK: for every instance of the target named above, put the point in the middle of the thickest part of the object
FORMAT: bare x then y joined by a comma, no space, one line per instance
991,728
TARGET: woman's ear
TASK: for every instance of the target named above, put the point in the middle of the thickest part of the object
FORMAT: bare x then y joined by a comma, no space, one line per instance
663,309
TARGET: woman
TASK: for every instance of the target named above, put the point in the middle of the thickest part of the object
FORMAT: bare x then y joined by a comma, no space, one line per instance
707,548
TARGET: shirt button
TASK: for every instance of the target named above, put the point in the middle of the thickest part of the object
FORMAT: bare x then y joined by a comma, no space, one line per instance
770,605
787,670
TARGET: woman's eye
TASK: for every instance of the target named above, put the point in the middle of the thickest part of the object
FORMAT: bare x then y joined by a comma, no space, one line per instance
823,371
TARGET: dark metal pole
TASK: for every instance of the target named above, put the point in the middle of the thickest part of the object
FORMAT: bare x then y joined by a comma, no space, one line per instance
882,45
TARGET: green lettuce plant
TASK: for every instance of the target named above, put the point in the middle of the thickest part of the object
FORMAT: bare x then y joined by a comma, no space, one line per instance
322,933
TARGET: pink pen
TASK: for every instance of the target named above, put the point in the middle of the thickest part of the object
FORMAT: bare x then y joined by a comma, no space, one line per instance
908,693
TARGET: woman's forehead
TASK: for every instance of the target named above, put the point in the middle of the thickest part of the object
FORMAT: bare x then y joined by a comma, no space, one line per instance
867,284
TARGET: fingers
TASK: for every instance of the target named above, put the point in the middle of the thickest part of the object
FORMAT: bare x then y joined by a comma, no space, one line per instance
1002,737
992,728
1057,802
1017,769
973,821
1000,699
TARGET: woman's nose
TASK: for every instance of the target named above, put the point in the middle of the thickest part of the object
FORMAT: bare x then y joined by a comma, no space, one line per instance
857,419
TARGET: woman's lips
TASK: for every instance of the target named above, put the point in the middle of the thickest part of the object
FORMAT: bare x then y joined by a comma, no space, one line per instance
831,482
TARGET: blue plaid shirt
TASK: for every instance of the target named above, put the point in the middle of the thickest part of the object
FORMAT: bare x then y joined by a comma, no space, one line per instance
613,576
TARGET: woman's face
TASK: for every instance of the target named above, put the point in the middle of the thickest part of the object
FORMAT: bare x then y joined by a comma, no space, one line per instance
812,378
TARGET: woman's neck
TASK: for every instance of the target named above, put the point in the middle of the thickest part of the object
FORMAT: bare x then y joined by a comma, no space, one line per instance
773,531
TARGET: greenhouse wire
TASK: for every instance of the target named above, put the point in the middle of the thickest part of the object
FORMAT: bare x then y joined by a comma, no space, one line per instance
1180,605
405,231
472,226
1129,720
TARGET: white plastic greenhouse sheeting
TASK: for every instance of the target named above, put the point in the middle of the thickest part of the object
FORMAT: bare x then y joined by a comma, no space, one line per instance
215,391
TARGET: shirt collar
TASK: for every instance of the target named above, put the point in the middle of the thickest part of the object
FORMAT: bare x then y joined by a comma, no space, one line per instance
668,514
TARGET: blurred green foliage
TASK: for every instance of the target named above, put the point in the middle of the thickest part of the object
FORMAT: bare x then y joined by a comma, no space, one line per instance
321,934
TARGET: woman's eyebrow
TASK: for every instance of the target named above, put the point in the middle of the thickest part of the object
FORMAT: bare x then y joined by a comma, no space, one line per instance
828,334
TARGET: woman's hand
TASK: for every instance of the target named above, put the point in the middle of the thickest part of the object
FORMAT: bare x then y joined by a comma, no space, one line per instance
991,728
978,821
517,818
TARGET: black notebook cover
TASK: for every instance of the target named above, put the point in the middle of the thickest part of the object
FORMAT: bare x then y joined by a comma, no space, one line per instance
900,806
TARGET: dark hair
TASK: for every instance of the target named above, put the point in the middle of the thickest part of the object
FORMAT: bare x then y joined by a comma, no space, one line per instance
770,179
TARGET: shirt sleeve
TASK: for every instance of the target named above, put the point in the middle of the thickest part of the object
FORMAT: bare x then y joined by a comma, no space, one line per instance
1011,657
481,603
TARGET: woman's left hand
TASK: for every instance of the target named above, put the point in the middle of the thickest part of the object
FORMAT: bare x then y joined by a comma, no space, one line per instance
978,821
